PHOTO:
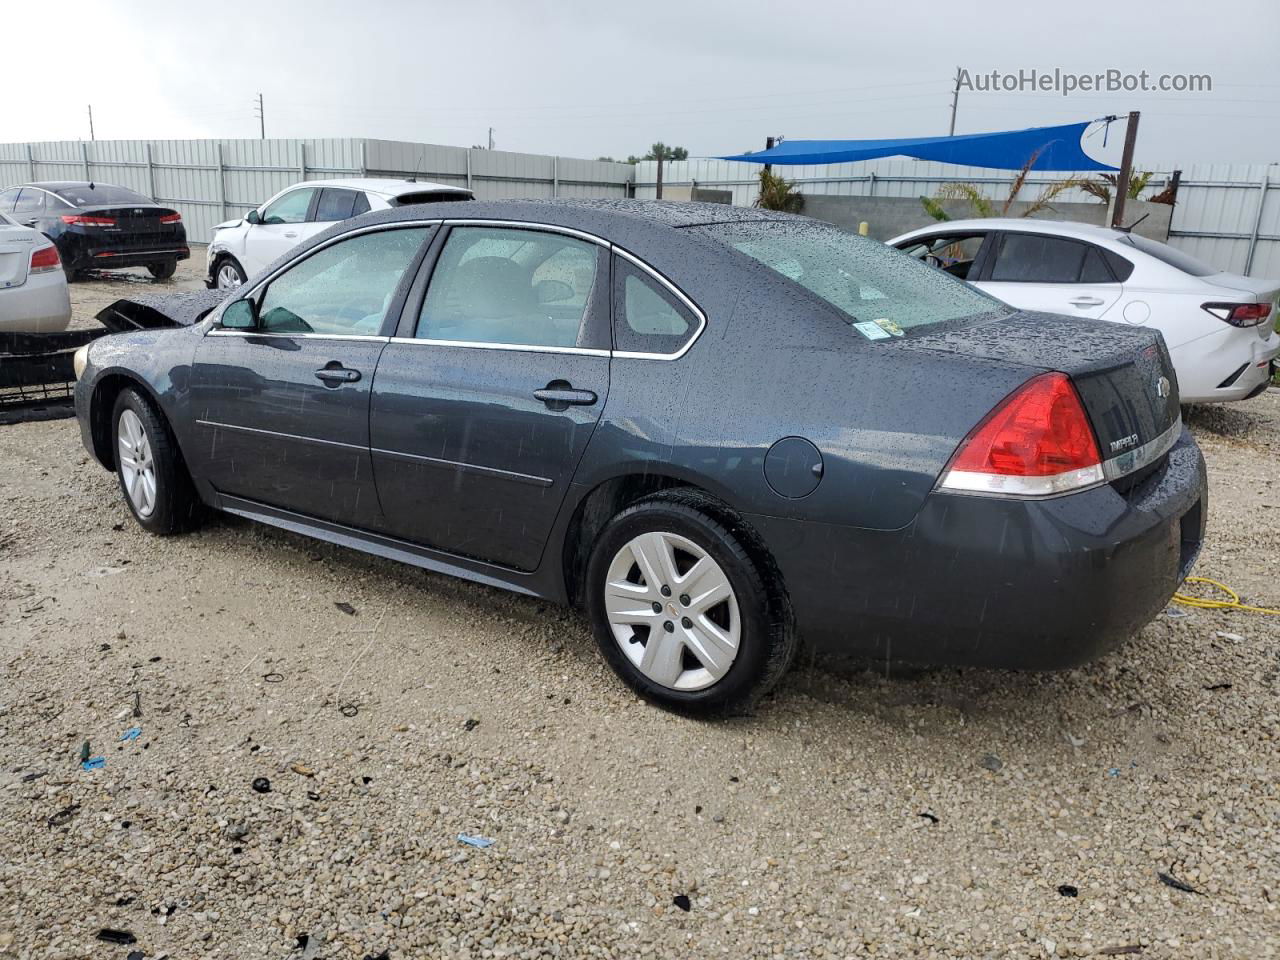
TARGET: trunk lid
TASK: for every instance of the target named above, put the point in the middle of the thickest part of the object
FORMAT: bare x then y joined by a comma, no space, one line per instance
16,244
1123,374
135,224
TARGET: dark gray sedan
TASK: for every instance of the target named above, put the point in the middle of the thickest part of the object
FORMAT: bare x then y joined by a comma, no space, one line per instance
719,430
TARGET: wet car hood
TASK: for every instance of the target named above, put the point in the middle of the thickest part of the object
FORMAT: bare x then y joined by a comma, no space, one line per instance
151,311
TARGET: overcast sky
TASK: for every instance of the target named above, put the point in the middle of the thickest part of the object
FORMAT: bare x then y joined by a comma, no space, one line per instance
594,78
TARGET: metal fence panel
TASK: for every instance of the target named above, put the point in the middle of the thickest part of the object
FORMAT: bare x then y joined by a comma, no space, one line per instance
209,181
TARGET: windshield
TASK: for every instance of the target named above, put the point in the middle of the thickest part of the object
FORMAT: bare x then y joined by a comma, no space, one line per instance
82,195
883,291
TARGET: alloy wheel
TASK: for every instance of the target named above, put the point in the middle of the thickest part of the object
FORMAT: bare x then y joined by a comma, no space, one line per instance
137,466
228,277
672,611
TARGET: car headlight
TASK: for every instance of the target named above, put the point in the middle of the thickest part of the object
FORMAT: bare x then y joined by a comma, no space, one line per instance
80,361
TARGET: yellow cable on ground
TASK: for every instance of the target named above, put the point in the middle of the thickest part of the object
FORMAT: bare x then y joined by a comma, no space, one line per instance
1205,603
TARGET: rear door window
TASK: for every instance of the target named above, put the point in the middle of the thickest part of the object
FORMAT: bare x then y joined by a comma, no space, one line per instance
335,205
509,286
291,208
952,253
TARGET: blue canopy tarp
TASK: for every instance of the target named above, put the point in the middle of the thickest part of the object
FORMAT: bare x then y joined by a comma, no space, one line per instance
1055,148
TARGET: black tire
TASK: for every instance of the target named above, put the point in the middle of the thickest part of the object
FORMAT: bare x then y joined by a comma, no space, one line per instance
231,263
73,274
767,641
163,270
176,505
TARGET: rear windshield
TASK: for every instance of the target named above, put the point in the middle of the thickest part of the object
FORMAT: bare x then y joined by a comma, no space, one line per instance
1166,254
883,291
87,195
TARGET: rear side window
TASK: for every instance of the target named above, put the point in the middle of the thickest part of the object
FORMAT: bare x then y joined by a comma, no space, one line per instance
1167,254
647,317
335,205
361,204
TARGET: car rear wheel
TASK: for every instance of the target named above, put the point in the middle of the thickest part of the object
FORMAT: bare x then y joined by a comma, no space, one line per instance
228,275
152,475
680,608
163,270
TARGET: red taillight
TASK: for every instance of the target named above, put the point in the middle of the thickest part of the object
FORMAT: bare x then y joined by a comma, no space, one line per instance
1239,314
171,218
44,260
1037,442
84,220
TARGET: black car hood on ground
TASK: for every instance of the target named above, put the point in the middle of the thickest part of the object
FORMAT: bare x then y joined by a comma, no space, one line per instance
151,311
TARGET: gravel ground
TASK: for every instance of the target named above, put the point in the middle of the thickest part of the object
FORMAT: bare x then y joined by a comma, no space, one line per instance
937,813
102,287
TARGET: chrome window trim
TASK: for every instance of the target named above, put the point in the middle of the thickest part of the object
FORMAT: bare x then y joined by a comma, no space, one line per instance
678,294
1139,457
503,224
525,347
364,337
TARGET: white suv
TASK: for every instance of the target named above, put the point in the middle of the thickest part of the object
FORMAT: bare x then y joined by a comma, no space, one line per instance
240,248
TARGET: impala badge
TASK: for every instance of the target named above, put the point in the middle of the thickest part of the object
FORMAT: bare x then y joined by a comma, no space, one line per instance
1163,387
1124,442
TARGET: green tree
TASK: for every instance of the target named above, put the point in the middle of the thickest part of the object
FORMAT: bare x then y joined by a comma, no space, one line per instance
777,193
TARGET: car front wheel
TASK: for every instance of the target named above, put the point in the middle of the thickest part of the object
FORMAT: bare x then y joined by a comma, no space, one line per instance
152,475
681,610
228,274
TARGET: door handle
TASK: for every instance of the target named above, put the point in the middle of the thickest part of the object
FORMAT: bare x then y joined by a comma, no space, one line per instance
29,223
1086,302
291,234
334,375
560,395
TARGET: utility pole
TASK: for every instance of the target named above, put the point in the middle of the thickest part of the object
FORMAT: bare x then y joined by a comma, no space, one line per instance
1126,169
955,100
91,136
768,145
658,191
262,119
491,138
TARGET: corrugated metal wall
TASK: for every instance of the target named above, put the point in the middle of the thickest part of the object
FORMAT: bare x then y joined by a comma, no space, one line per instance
1227,214
209,181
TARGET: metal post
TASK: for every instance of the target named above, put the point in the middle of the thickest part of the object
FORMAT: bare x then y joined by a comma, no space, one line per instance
955,100
1257,219
555,176
871,185
151,171
302,160
31,165
1126,169
84,155
768,145
222,182
658,190
364,158
468,168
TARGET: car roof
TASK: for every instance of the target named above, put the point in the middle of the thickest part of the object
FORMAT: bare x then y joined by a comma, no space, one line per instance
1059,228
385,186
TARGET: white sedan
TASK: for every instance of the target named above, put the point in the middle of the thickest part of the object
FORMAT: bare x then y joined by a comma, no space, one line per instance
33,288
240,248
1219,327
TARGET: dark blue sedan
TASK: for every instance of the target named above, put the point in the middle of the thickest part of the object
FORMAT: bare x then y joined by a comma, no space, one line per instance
721,431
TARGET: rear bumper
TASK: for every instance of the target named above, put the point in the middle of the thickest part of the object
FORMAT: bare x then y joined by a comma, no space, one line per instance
1231,365
88,251
41,305
982,581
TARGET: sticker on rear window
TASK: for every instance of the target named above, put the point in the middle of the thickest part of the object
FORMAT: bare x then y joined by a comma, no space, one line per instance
871,330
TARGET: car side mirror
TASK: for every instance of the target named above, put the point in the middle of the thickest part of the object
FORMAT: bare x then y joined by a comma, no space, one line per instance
552,291
253,217
240,315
